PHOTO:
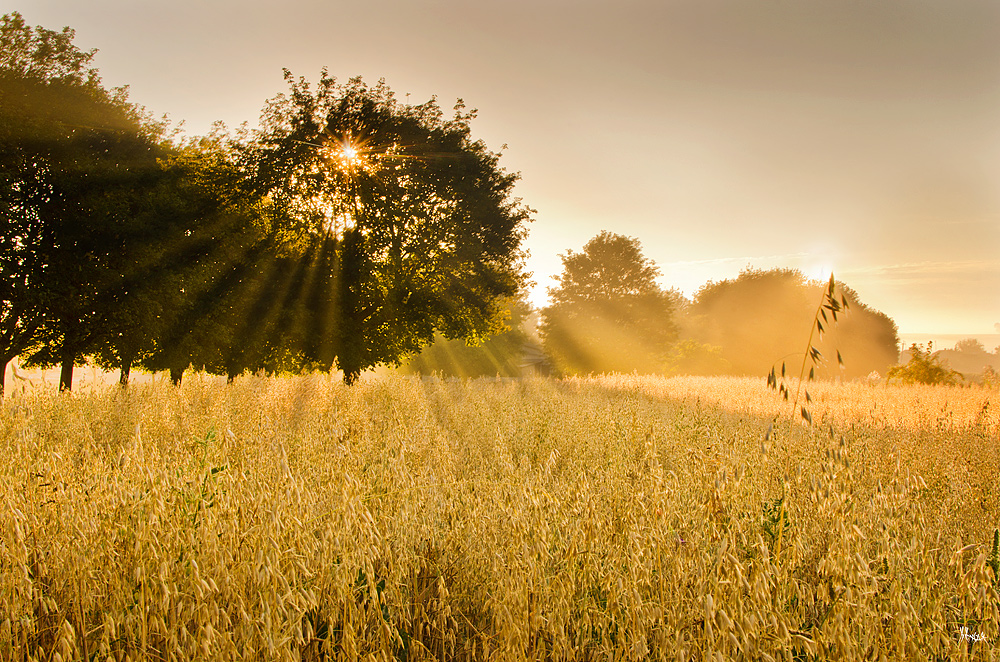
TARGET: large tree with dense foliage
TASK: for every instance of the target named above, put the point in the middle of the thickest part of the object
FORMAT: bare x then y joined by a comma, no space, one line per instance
118,244
763,318
608,314
76,161
408,224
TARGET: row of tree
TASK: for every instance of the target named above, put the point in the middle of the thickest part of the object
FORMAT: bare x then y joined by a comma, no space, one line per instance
347,230
608,314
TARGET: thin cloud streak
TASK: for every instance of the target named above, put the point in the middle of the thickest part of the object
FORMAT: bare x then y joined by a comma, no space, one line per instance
929,269
746,259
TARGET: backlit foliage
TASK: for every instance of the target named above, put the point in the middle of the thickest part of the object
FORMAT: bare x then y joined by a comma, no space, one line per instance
923,368
608,314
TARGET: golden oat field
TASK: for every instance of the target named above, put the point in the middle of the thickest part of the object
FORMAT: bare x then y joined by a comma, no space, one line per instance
611,518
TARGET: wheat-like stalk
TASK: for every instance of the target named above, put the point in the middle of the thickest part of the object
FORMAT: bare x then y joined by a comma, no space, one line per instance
618,517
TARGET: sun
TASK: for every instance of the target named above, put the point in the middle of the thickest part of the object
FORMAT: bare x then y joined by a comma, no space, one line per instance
349,154
820,271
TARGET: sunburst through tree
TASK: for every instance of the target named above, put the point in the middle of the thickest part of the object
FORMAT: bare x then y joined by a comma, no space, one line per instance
416,219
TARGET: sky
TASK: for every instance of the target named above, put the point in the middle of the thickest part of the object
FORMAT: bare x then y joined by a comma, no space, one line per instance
860,137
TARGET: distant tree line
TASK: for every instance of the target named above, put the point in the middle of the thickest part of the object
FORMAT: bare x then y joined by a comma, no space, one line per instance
608,314
968,362
346,231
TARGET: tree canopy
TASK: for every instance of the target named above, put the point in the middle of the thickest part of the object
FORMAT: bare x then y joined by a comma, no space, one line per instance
348,229
608,314
763,317
414,218
76,161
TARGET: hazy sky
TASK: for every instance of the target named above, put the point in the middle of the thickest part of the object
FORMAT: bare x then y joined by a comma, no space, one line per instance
861,136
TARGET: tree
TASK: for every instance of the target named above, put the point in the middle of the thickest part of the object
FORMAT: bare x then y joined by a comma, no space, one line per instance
414,218
764,317
607,313
970,346
923,368
32,62
222,274
75,160
500,354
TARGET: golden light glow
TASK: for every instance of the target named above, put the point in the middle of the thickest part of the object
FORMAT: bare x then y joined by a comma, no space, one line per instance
349,153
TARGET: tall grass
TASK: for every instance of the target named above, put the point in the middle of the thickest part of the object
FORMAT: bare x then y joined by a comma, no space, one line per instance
614,518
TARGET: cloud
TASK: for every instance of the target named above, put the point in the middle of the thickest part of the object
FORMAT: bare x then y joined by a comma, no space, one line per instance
744,260
936,271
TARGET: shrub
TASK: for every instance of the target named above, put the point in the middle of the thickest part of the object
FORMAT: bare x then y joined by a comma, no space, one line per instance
923,368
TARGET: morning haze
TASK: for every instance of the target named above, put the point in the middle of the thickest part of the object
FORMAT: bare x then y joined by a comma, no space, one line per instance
360,431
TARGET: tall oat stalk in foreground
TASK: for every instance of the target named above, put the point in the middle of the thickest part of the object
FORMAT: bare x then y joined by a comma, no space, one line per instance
828,303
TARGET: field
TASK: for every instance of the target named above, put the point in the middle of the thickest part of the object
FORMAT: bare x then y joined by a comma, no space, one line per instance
617,518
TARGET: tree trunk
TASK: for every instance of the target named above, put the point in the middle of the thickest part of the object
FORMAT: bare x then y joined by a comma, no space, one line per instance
3,375
350,353
126,371
351,375
175,376
66,374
